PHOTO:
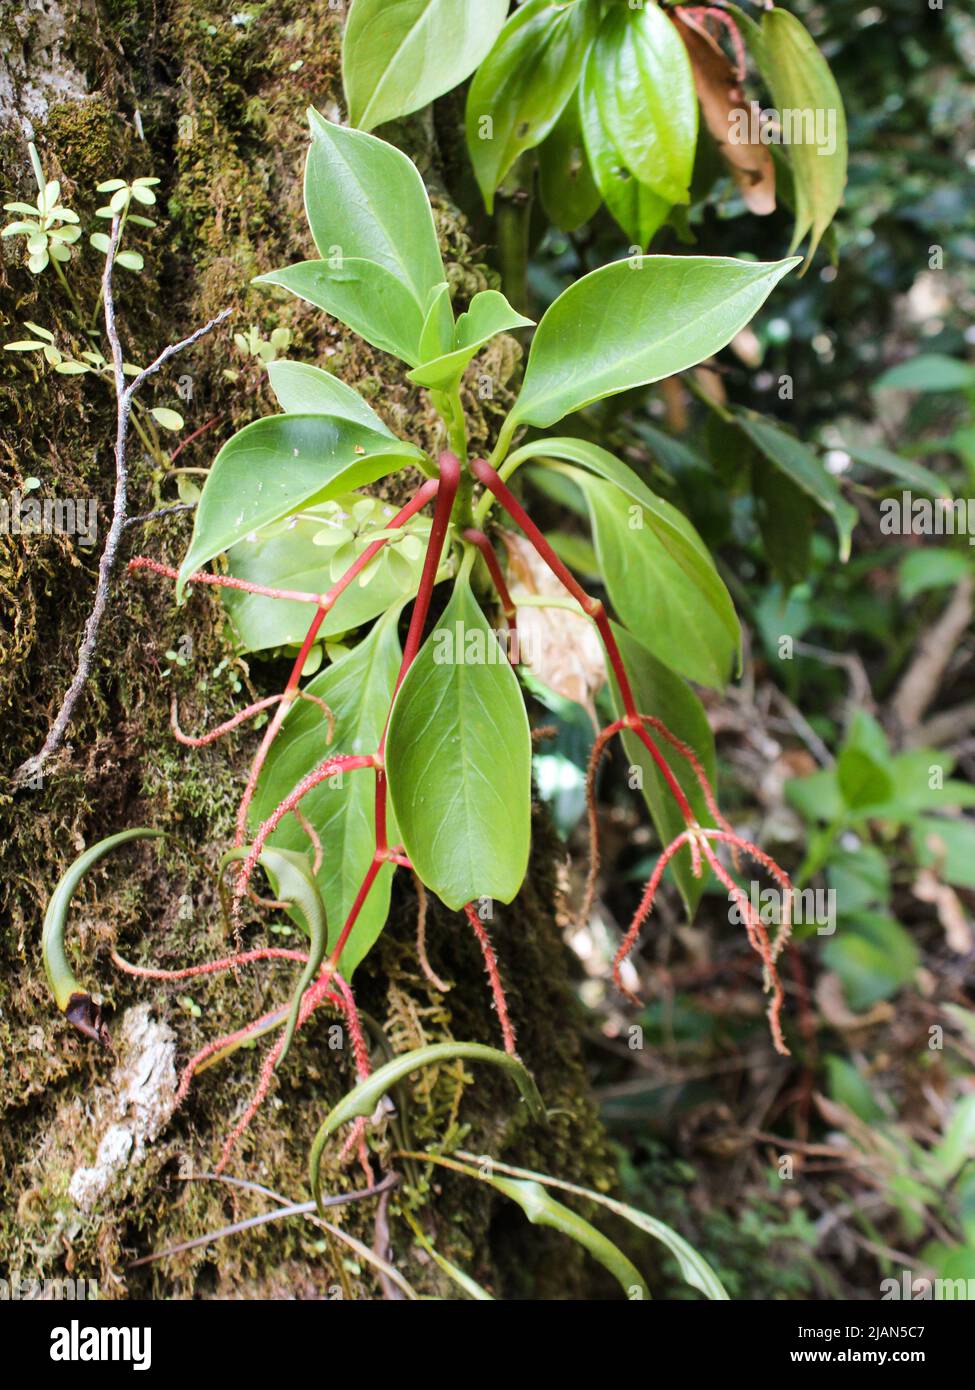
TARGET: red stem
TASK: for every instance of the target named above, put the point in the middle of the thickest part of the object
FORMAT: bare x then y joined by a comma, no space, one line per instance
478,538
491,966
495,484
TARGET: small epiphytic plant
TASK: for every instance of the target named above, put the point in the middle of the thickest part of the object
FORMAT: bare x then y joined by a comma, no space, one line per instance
609,96
420,757
51,232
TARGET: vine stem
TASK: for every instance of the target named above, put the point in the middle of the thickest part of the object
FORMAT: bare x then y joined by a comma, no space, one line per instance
124,398
492,480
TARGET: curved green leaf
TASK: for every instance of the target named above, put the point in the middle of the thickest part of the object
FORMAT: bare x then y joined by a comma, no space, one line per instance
802,84
634,322
522,86
645,91
71,997
363,1098
363,295
358,689
565,181
276,466
489,314
543,1210
365,199
399,57
659,692
694,1267
458,761
302,389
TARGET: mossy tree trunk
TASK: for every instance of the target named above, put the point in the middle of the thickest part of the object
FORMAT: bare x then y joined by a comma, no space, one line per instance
212,101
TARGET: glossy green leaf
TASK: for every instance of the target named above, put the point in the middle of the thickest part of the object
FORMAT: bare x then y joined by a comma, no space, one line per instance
399,57
543,1210
662,582
289,556
565,181
634,322
637,209
276,466
659,692
694,1267
357,689
605,465
458,761
363,1098
801,83
645,91
804,468
365,200
364,295
489,314
437,334
302,389
522,86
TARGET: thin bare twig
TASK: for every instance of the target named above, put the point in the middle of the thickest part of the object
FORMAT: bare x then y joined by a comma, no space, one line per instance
284,1209
124,396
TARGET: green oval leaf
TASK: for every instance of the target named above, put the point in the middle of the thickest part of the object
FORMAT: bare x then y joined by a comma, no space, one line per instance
565,180
363,1099
634,322
358,689
458,761
168,419
288,556
645,93
364,295
662,582
659,692
276,466
366,198
302,389
803,86
397,58
522,86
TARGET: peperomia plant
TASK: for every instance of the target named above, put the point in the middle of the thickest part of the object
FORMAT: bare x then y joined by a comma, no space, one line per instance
625,103
419,756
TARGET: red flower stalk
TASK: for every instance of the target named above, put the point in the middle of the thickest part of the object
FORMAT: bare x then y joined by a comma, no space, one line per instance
696,838
491,969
